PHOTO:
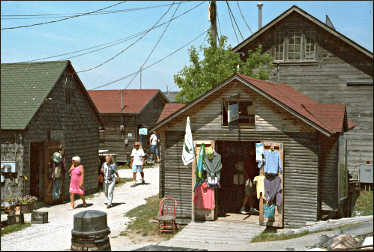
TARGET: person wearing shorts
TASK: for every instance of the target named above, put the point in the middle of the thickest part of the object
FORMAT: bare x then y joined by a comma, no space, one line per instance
153,140
137,161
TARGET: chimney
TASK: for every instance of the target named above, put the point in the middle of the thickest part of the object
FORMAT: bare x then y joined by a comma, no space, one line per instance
259,5
329,23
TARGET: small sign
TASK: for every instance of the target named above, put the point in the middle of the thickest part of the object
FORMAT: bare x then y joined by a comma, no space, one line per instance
366,173
129,135
8,166
143,131
57,135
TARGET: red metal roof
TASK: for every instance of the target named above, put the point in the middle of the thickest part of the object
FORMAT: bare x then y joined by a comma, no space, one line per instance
328,116
169,109
109,101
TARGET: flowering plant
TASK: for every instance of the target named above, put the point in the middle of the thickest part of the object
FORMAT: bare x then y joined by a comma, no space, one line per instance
27,199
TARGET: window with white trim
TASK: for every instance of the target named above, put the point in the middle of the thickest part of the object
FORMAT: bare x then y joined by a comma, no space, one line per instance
294,46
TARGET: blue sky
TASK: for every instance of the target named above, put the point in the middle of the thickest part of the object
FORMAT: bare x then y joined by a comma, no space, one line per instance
353,19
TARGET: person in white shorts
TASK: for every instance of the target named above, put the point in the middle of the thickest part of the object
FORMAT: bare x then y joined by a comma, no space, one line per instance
137,161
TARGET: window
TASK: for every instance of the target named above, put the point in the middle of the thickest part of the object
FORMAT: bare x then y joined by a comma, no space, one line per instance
246,112
279,50
342,168
294,46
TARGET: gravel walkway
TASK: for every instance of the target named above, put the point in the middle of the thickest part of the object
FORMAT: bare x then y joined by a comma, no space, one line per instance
56,235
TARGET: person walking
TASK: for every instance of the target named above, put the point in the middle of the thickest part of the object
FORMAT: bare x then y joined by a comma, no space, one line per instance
109,169
153,141
76,172
137,162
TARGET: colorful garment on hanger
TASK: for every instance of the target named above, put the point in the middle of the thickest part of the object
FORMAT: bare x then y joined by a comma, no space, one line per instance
213,166
259,180
199,166
273,189
273,162
259,154
204,197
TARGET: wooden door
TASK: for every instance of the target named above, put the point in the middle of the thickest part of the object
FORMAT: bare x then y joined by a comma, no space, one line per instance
50,148
36,166
197,146
278,220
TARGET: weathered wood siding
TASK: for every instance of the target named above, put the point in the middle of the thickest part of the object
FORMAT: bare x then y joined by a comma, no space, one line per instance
113,140
80,126
325,80
301,152
328,177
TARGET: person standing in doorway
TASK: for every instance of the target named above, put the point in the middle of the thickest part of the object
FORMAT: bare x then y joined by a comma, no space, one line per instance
109,169
76,172
153,141
137,161
250,188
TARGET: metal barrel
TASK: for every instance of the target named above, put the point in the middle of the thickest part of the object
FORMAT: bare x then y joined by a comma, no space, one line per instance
90,232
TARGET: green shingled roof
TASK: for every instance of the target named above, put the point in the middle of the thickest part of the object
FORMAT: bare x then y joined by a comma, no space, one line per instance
24,86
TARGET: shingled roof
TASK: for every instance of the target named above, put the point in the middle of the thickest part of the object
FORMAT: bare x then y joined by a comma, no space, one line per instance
169,109
109,101
327,118
24,87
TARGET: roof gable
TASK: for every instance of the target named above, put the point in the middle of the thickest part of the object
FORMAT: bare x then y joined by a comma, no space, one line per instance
134,100
326,118
295,9
24,87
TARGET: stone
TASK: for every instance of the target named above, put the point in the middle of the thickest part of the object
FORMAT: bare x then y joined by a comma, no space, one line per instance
323,239
342,241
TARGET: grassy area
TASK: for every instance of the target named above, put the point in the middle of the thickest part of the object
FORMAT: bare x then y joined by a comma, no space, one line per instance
270,234
142,225
14,228
364,204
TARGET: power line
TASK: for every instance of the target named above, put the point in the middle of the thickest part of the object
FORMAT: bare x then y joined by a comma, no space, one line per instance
241,14
232,14
232,25
115,42
63,19
153,27
123,50
154,63
154,47
34,16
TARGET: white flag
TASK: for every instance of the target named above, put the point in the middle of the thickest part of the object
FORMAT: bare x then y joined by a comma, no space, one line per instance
188,154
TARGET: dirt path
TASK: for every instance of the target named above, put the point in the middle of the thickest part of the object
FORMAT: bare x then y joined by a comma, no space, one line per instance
56,235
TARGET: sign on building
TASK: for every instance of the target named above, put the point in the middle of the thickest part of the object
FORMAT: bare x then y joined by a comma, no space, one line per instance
366,173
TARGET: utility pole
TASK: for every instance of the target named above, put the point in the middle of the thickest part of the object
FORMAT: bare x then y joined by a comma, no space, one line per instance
213,21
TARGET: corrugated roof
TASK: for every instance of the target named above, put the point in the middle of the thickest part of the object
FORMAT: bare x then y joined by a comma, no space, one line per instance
327,117
24,86
109,101
169,109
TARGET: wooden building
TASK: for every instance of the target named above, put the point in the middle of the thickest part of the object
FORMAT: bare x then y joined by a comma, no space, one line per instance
44,105
310,135
124,112
316,59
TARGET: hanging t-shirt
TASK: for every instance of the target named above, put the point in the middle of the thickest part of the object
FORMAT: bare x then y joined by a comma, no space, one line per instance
137,154
260,188
204,197
272,162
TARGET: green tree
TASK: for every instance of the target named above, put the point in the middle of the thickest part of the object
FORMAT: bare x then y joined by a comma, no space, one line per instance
216,65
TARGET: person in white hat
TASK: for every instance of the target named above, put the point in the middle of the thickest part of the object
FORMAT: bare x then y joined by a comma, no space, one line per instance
76,172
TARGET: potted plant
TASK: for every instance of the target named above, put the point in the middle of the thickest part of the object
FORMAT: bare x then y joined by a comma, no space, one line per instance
10,205
27,203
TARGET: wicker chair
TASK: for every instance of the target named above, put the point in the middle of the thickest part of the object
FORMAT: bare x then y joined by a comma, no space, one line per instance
167,215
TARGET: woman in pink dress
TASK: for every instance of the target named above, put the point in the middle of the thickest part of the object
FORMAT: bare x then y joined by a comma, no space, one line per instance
76,172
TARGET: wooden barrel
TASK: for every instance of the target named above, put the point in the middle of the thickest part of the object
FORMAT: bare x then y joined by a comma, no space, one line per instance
90,232
39,217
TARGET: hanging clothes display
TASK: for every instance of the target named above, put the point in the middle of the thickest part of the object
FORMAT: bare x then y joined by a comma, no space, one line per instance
273,162
213,166
204,197
259,180
259,154
273,189
199,166
57,165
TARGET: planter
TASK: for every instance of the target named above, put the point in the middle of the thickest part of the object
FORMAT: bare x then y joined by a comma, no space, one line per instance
27,208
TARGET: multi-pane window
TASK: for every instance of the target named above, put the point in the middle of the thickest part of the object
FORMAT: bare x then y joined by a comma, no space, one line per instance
294,46
279,46
309,46
246,113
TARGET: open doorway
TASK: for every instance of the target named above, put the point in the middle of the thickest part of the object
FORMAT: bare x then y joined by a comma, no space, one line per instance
36,165
238,163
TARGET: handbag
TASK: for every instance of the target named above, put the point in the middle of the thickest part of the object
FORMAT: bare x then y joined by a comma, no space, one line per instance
100,179
269,211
